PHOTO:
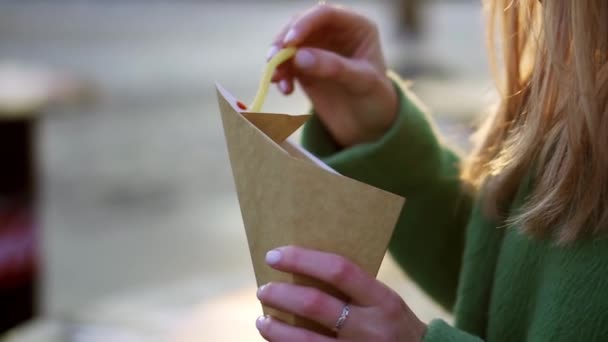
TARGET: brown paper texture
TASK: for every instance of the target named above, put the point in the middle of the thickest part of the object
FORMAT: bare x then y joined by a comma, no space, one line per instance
289,197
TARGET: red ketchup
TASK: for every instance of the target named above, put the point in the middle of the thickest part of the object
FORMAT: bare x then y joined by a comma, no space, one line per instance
241,105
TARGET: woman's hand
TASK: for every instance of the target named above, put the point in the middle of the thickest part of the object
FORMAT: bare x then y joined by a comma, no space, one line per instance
376,313
341,68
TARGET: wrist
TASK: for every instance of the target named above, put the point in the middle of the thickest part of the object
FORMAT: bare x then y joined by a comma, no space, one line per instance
392,110
381,117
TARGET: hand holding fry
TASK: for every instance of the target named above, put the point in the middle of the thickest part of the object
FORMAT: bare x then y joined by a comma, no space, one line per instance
340,66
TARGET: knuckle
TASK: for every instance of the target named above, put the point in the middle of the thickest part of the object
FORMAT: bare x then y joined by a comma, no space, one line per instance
274,292
335,68
326,70
372,77
393,306
369,79
340,271
314,304
393,310
375,76
377,71
290,256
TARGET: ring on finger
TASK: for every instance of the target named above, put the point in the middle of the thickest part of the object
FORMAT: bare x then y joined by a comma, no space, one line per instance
343,317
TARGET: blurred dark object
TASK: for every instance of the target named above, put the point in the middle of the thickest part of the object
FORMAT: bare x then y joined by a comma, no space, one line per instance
415,62
410,18
18,256
25,93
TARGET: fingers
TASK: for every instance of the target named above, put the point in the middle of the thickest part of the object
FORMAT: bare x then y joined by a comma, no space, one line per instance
332,269
283,72
357,76
303,301
277,43
301,26
286,86
318,17
283,77
302,30
274,330
314,65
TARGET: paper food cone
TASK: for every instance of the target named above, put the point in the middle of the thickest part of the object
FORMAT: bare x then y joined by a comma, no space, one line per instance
288,197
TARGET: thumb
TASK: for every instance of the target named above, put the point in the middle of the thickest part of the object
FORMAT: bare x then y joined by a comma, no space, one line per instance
321,65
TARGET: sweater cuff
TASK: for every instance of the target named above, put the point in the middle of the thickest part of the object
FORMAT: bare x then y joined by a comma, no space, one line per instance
440,331
407,156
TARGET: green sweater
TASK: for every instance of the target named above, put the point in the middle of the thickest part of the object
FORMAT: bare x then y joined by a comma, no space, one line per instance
500,284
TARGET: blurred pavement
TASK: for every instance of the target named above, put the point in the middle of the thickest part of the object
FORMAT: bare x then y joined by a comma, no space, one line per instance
140,219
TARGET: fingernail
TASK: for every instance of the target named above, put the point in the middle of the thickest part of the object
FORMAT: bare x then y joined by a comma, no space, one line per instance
260,290
273,257
291,34
283,85
261,322
304,59
271,52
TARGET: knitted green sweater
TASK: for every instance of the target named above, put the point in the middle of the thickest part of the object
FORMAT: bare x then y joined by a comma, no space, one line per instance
500,284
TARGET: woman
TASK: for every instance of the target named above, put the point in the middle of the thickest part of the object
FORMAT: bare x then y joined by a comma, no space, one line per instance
512,239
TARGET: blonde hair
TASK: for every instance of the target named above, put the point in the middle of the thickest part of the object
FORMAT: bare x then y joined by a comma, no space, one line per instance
552,118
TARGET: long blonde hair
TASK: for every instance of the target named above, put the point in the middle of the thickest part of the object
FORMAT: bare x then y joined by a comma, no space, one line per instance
552,118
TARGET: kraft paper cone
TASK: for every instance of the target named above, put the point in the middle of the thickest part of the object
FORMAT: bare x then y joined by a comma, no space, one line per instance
288,197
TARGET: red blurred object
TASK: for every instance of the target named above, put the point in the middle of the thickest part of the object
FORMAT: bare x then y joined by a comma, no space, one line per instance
18,233
25,92
17,247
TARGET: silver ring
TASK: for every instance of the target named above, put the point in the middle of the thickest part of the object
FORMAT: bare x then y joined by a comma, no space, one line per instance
342,319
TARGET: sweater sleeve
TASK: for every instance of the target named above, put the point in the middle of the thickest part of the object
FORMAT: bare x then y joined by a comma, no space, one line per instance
440,331
409,160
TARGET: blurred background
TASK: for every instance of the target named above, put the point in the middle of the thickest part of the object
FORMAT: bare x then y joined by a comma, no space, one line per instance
118,215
